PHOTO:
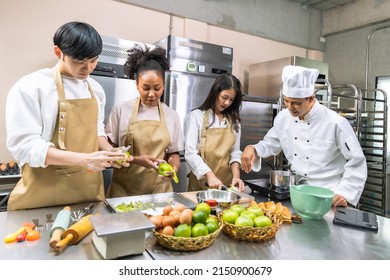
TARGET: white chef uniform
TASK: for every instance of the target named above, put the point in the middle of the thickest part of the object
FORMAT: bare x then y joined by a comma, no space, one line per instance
322,147
34,96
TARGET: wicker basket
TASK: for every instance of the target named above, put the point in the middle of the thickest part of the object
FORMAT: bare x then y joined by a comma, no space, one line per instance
244,233
187,243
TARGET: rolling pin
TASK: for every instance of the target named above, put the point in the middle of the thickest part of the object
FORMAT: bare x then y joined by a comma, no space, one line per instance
75,233
61,223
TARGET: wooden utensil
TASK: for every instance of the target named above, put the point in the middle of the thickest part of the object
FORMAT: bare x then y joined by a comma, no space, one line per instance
75,233
61,223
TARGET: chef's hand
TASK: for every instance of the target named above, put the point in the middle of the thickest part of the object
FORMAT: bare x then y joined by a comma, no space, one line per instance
147,161
212,181
248,158
238,183
98,161
339,200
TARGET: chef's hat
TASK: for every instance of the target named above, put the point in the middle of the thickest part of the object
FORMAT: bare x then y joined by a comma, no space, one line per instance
298,82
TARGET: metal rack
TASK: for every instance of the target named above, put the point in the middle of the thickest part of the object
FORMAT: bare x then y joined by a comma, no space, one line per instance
373,139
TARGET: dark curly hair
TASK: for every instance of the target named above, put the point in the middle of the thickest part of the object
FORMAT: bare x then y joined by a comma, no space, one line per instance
141,59
224,82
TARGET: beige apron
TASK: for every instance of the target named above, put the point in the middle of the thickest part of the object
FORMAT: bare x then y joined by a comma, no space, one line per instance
76,131
147,137
215,146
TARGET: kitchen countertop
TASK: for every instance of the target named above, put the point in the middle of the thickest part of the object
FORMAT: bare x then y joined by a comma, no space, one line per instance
311,240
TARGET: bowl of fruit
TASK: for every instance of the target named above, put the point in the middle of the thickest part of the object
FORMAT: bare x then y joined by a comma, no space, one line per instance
183,229
252,223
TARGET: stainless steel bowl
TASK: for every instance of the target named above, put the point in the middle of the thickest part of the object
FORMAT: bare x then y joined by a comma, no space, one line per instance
225,199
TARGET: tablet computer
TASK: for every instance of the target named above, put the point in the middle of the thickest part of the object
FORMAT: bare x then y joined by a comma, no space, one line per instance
355,218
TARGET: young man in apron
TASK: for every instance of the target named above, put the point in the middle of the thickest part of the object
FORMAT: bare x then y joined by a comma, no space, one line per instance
55,126
212,137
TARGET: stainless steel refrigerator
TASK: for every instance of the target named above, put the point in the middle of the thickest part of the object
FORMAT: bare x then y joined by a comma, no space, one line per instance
193,67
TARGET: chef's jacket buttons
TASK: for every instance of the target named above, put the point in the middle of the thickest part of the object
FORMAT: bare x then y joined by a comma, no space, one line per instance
307,157
62,116
295,154
62,129
307,141
295,138
62,103
296,121
308,123
305,174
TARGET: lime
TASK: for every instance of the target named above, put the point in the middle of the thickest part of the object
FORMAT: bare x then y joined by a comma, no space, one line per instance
212,226
262,221
182,230
229,216
247,213
212,219
199,230
199,216
256,210
244,221
204,207
238,208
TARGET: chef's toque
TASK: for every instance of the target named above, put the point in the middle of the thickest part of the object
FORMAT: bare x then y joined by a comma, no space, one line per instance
298,82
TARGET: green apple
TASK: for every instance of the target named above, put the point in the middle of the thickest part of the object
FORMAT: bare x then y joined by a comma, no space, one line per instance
237,208
256,210
262,221
244,221
248,214
229,216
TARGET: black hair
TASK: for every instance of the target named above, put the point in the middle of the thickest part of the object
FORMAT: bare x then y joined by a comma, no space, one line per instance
78,40
224,82
141,59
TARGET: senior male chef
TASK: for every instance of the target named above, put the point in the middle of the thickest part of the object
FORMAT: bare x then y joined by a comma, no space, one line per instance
318,143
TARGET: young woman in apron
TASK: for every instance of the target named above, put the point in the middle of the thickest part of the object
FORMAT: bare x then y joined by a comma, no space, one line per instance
149,126
69,171
212,137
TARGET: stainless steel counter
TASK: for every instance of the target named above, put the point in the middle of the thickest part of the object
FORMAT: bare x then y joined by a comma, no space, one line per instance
313,239
40,250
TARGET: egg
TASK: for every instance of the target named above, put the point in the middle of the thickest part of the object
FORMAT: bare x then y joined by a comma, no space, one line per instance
167,209
168,221
174,212
186,216
11,164
180,207
157,221
168,230
3,167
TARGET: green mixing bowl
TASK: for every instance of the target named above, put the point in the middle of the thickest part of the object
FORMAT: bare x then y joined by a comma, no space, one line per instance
311,202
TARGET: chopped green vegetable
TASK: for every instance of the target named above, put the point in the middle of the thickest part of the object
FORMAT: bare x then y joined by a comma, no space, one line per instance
134,206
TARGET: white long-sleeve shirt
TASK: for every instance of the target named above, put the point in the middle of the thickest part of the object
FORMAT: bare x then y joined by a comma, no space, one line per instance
31,113
192,135
322,147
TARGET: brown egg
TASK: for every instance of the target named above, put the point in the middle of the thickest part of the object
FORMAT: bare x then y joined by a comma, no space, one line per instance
157,221
11,164
3,167
168,230
168,221
180,207
167,209
174,212
186,216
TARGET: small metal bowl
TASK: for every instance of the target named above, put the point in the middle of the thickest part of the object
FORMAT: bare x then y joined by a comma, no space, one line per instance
225,199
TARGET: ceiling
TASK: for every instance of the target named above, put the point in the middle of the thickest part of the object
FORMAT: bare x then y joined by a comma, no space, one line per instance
322,5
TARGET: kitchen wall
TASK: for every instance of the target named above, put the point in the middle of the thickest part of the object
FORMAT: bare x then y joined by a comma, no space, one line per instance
27,28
